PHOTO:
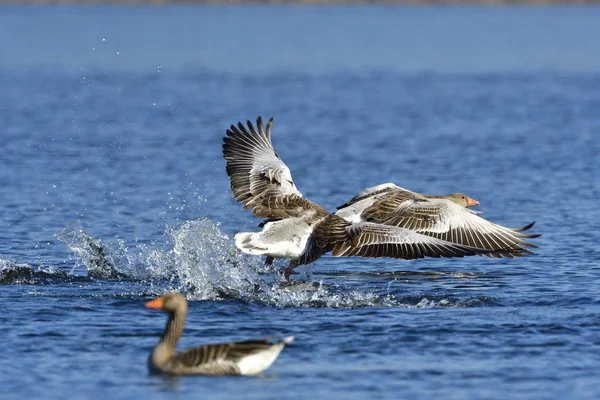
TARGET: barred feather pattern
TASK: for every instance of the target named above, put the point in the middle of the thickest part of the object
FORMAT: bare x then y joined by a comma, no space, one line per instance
396,222
443,219
235,358
287,206
328,233
217,359
370,192
375,240
254,168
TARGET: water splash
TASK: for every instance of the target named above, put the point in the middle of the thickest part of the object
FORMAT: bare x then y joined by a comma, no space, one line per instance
208,264
12,273
90,252
204,264
211,267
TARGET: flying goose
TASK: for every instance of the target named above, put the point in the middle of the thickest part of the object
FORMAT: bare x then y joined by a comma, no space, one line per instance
353,209
237,358
442,217
301,230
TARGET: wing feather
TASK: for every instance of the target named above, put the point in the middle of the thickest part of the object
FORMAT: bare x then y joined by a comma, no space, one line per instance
370,192
254,168
278,207
375,240
219,359
446,220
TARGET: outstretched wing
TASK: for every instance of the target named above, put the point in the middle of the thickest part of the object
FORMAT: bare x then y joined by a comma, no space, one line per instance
446,220
253,166
370,192
375,240
289,206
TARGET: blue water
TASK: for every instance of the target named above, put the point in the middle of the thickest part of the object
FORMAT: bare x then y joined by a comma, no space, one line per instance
111,126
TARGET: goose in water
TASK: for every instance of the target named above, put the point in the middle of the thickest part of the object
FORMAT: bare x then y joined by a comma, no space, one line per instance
442,217
300,230
238,358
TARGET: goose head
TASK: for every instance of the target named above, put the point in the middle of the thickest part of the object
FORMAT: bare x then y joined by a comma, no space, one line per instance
172,302
462,200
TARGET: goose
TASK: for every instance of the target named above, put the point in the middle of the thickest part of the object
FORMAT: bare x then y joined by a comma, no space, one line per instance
297,229
350,214
353,209
236,358
443,217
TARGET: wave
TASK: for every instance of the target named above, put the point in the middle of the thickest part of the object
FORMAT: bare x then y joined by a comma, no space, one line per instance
13,273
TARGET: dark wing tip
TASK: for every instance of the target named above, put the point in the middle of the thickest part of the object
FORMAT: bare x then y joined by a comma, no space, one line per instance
242,128
343,206
269,127
530,235
259,124
524,228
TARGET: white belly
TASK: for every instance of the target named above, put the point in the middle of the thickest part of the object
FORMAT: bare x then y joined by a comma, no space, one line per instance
257,363
280,239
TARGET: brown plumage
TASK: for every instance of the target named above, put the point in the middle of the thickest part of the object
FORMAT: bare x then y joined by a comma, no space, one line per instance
254,168
301,230
459,198
236,358
442,217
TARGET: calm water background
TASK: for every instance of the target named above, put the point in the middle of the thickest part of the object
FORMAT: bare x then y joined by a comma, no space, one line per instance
111,126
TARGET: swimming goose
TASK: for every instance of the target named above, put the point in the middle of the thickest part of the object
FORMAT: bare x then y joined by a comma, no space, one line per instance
445,218
237,358
300,230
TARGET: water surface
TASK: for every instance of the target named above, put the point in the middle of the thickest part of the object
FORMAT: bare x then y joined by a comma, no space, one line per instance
112,124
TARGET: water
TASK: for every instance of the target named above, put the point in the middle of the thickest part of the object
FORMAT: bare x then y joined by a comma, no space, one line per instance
113,191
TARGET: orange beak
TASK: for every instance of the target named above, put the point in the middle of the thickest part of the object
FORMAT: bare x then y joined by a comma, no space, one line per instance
471,202
156,304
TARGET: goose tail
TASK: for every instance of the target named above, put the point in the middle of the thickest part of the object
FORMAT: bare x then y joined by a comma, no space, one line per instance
246,242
